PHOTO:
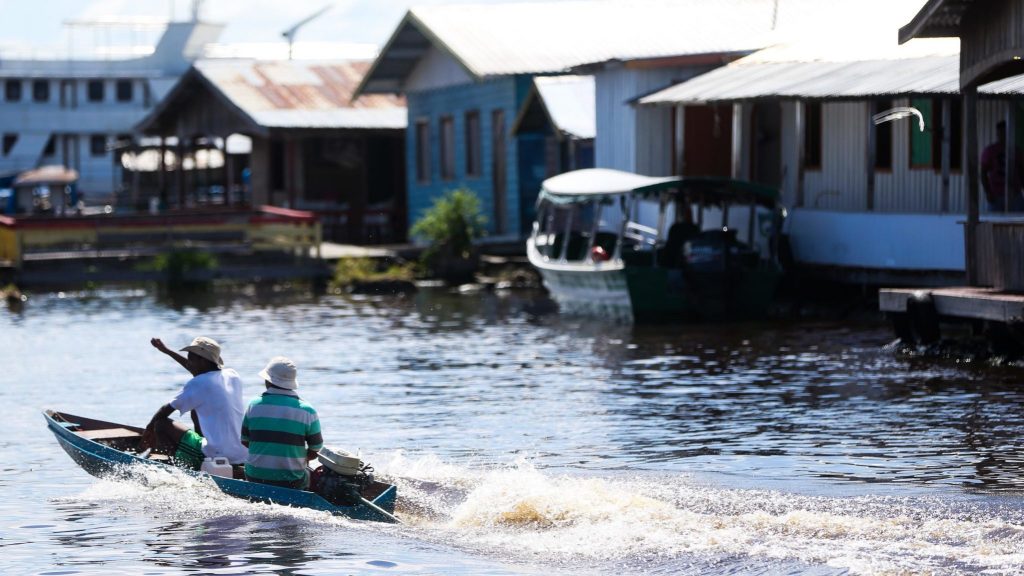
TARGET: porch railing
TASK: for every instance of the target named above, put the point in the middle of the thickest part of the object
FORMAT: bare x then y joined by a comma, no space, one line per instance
265,228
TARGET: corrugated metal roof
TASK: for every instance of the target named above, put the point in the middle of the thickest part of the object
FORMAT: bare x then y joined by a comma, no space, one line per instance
881,68
1013,86
503,39
302,94
553,37
569,101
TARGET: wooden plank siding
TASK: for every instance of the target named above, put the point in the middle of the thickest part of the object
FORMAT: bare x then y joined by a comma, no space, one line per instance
455,101
991,36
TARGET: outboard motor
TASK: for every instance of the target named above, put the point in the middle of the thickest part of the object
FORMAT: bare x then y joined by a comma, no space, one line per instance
341,477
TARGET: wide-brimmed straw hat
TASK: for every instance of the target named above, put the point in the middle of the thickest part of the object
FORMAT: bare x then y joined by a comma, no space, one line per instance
207,348
280,372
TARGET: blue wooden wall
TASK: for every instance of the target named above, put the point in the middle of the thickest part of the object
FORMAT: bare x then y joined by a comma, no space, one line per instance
505,93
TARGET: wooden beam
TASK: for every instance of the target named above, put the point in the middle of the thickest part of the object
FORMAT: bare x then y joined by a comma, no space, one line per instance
970,96
947,124
872,153
801,128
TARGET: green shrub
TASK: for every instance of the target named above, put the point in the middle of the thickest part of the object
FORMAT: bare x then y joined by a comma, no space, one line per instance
351,270
451,225
178,264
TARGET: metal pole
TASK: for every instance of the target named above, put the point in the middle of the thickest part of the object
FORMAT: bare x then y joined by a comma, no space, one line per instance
567,233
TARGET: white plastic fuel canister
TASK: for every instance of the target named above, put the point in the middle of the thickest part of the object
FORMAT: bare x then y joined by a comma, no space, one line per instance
217,466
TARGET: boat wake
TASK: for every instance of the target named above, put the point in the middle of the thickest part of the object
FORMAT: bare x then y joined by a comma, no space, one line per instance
663,523
653,523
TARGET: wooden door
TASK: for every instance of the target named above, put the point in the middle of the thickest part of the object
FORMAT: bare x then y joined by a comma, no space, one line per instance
707,141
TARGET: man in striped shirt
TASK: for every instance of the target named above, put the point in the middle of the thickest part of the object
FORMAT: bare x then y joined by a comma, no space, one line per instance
281,430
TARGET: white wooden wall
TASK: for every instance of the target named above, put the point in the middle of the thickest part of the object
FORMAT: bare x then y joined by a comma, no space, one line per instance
841,183
629,137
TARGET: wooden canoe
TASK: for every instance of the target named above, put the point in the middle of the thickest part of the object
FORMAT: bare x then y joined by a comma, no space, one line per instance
106,449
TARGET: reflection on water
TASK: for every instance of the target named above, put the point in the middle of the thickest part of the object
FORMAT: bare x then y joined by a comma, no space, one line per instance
523,441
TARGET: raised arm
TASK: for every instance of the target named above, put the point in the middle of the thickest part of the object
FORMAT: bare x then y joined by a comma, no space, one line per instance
159,345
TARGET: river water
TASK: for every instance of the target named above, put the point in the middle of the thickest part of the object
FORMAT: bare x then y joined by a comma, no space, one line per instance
523,442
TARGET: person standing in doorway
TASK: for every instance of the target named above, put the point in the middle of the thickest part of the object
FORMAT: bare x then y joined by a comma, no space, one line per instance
993,175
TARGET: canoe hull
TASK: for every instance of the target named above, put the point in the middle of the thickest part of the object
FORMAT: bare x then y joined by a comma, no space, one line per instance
104,461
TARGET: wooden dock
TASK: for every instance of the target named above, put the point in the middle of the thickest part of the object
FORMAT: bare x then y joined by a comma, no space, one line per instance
969,303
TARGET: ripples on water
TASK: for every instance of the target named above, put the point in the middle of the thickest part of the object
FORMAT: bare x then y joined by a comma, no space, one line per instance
525,442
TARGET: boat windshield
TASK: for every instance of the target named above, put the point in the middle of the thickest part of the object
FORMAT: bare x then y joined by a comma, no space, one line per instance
571,231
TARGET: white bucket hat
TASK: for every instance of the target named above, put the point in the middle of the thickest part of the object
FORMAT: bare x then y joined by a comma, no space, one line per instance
207,348
280,372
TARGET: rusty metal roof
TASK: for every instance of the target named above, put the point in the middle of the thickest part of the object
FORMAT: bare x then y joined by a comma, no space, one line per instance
489,40
302,94
855,70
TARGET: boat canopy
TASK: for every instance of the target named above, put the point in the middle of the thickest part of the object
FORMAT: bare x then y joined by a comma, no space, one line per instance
590,184
600,184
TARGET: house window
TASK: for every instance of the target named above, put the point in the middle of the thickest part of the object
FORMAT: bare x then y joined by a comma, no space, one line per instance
12,90
125,91
883,137
922,143
422,151
447,148
51,147
94,90
473,143
98,145
9,141
41,90
936,128
812,135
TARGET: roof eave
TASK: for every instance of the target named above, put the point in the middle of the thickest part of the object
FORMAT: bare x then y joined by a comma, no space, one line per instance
410,19
917,25
197,74
147,121
531,96
696,59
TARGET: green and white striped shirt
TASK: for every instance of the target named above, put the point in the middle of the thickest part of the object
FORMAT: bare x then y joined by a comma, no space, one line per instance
280,427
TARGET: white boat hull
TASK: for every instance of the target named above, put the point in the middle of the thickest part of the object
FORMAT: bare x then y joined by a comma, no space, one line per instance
586,289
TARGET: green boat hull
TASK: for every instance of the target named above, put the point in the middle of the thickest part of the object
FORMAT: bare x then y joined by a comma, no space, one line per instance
651,294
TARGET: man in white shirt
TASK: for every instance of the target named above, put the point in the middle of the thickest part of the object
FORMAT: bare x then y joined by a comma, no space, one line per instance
213,396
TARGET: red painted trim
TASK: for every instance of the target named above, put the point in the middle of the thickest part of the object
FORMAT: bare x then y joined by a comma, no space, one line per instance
286,212
263,214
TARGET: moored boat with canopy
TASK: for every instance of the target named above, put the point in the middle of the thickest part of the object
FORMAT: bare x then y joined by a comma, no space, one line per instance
639,248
